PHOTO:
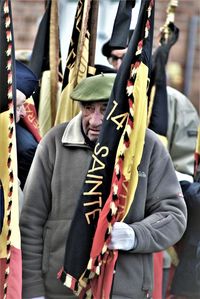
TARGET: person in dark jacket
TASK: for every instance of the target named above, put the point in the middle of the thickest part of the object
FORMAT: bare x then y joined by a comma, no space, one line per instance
186,280
26,83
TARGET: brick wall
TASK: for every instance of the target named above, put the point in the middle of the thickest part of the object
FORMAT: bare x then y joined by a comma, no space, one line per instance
27,15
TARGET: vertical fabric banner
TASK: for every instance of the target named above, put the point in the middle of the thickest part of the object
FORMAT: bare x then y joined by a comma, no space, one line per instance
111,180
158,103
197,159
77,65
30,120
46,64
120,32
10,252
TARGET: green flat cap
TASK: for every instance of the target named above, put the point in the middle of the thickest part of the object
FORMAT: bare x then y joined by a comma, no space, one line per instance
95,88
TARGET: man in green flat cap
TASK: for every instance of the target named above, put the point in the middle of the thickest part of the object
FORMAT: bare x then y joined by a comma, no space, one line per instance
53,186
93,94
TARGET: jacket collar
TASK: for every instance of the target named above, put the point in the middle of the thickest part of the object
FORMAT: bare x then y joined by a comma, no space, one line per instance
72,135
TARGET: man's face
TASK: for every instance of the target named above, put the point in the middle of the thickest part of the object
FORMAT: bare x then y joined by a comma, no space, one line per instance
20,110
92,118
116,57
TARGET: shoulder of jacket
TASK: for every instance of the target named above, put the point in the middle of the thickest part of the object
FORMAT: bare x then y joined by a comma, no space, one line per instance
177,98
154,145
55,132
151,137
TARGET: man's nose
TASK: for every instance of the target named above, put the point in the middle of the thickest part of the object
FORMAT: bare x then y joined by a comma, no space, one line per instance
22,112
96,118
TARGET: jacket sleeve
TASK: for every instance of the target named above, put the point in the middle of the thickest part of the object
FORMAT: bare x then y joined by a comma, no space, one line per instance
165,211
37,204
183,122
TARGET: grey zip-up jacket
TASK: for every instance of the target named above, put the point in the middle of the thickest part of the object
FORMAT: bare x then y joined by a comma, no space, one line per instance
157,215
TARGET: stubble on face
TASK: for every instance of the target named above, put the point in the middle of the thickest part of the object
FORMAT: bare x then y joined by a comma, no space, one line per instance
92,118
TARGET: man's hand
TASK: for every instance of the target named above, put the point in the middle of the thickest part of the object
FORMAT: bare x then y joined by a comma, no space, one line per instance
122,237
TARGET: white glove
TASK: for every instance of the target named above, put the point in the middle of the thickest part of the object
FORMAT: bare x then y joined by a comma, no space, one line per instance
41,297
184,177
122,237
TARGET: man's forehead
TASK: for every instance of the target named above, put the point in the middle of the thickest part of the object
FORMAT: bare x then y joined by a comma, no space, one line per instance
96,103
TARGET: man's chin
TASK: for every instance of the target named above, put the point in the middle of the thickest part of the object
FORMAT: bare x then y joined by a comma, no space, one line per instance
93,138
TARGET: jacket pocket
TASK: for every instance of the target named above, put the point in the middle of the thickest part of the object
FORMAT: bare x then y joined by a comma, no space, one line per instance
148,274
46,251
133,276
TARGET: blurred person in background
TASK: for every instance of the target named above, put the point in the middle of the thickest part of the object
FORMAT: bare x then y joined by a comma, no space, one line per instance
26,82
186,280
183,119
